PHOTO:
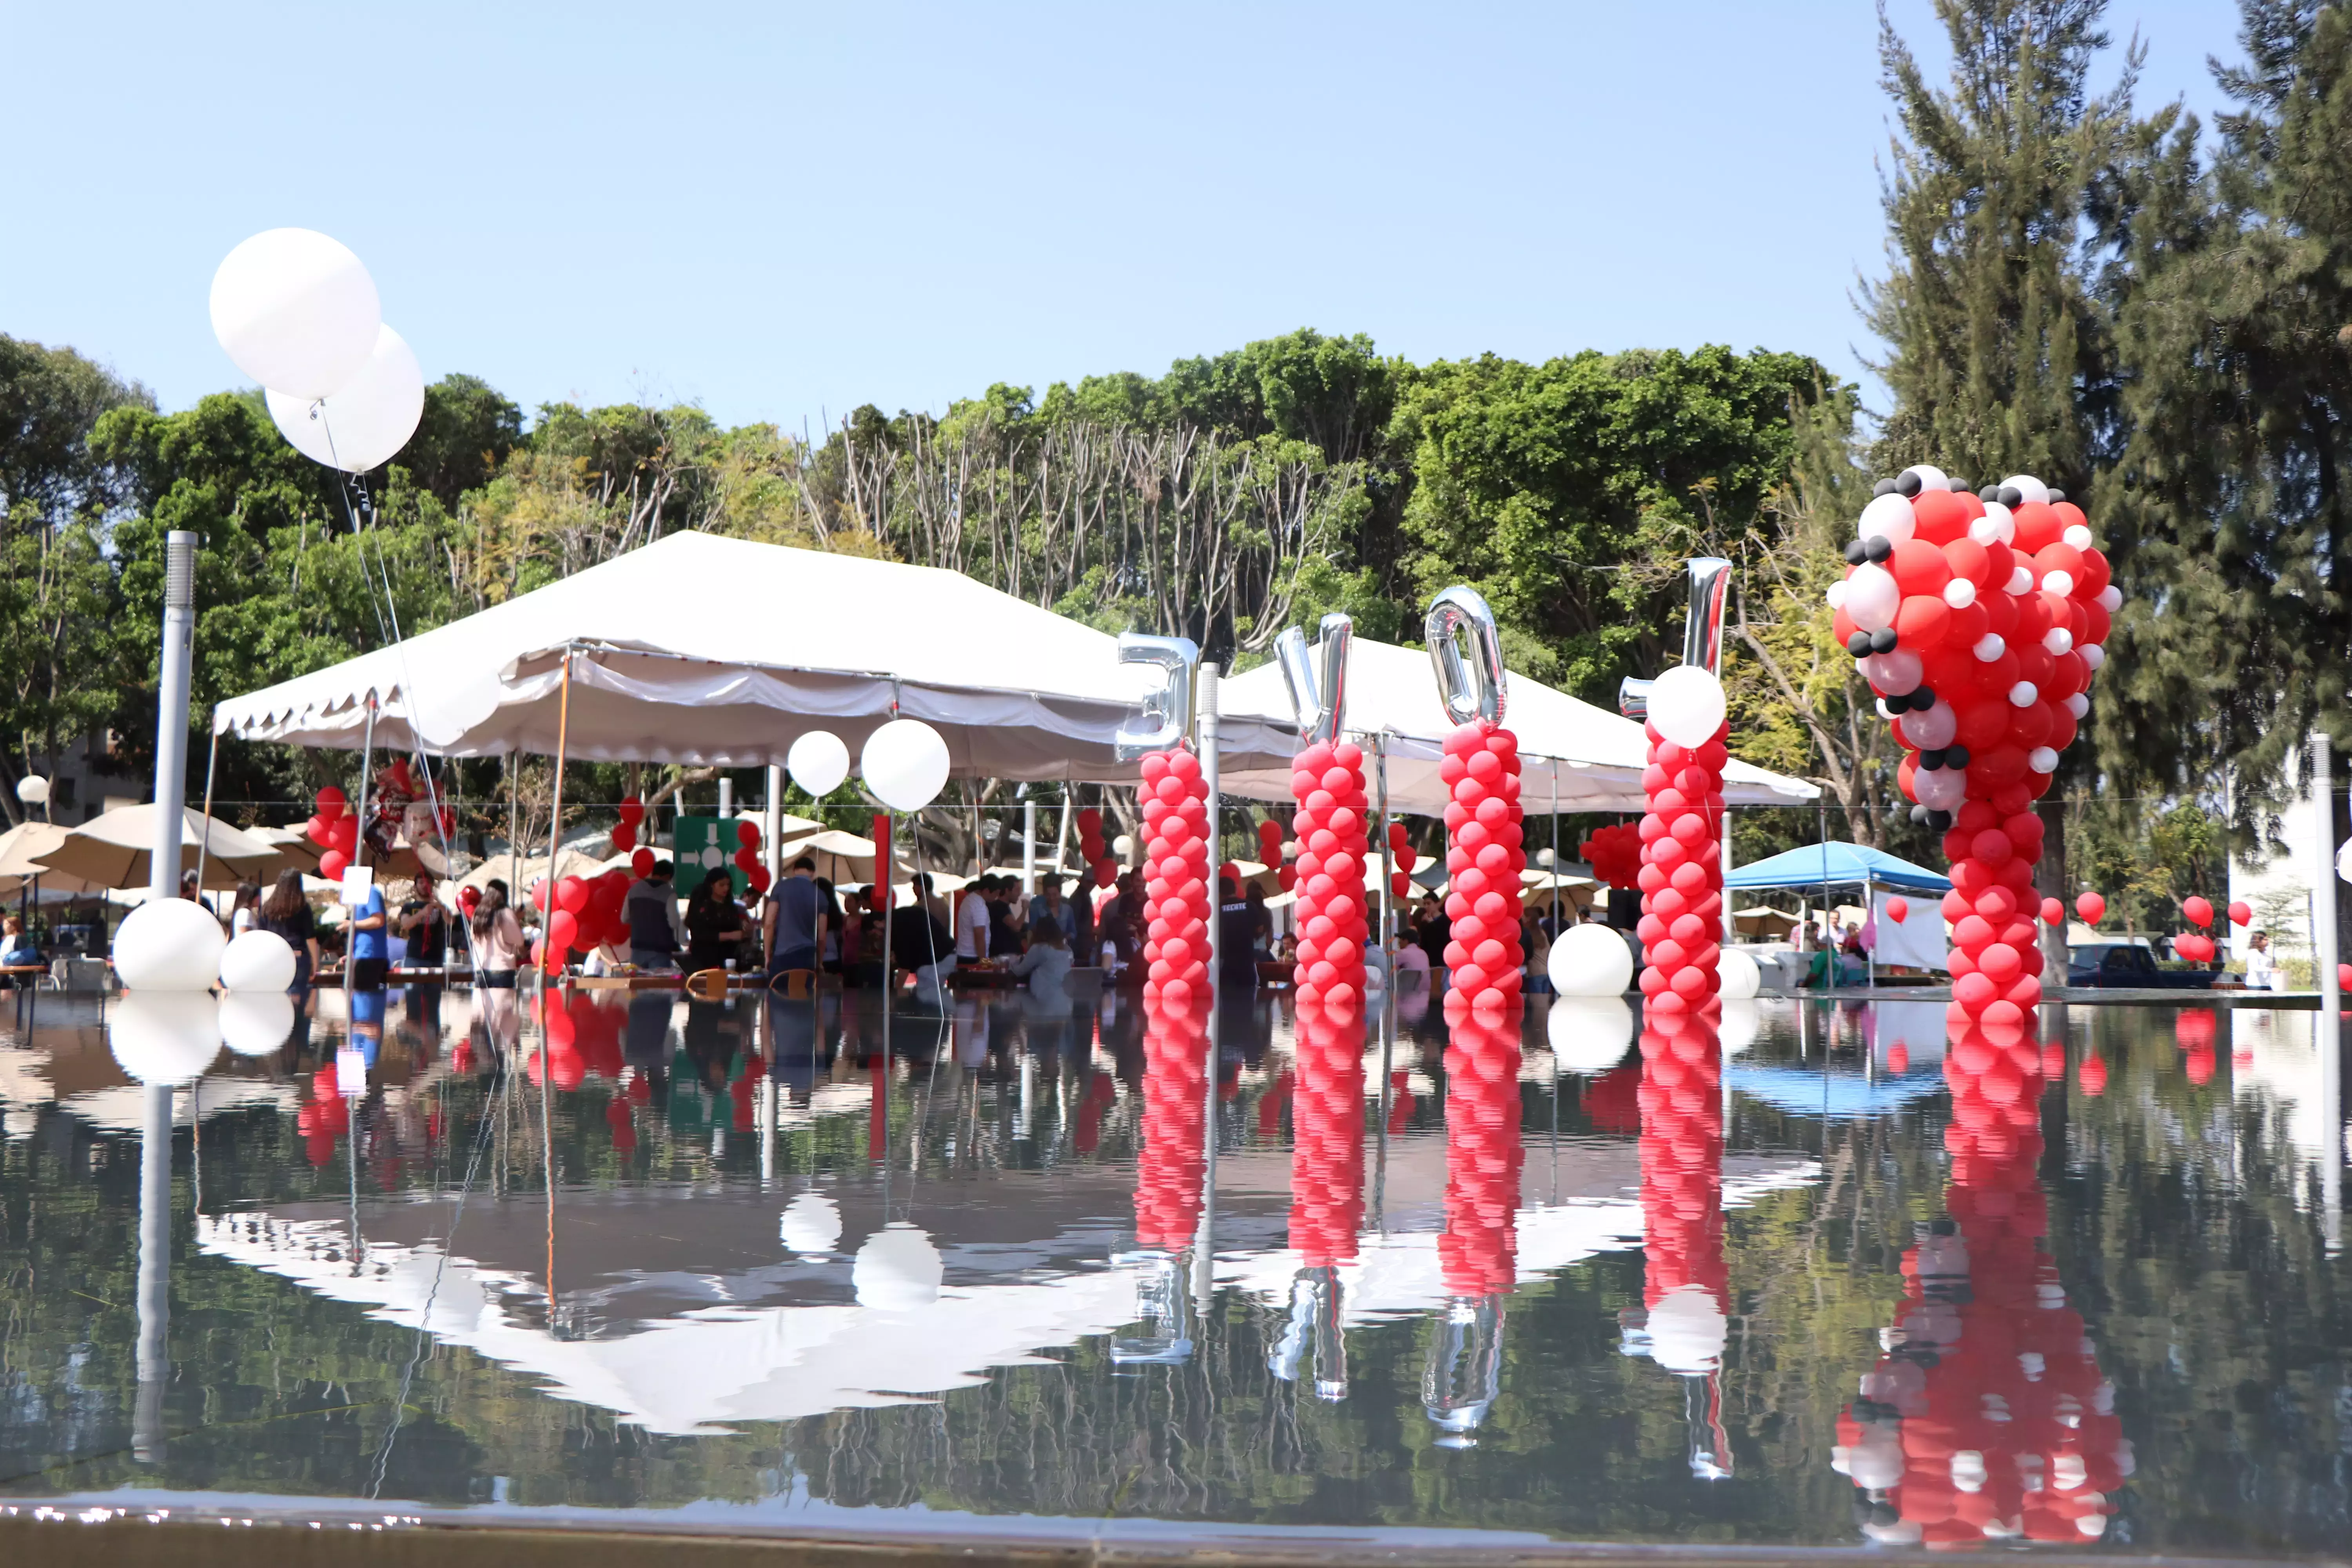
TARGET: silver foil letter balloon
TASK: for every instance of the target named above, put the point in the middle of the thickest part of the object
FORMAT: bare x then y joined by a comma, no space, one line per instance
1471,688
1317,679
1168,713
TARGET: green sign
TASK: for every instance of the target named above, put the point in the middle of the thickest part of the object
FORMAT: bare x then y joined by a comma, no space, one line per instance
701,845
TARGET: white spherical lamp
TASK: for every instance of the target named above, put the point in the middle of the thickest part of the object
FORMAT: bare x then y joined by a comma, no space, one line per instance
811,1223
256,1023
256,960
1590,961
896,1270
33,790
1589,1034
905,764
818,762
296,310
165,1037
168,944
1687,704
1740,974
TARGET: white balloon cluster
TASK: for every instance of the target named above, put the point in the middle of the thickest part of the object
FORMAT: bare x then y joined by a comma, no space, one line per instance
299,313
168,952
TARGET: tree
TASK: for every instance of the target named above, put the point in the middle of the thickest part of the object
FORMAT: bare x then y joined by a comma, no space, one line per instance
50,400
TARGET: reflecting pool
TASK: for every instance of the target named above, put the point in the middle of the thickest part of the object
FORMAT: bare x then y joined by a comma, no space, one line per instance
1811,1274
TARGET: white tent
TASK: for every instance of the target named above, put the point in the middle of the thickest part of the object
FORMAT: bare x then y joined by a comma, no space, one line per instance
698,649
1593,758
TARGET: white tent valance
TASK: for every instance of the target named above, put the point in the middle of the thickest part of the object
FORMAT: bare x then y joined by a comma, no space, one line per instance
698,649
1593,757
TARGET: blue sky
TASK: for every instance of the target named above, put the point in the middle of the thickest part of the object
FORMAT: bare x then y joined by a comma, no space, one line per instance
785,211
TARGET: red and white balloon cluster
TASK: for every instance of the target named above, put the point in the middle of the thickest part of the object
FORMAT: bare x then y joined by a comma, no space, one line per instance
625,836
1485,859
1176,889
588,915
1979,621
1175,1121
334,829
1331,825
1681,876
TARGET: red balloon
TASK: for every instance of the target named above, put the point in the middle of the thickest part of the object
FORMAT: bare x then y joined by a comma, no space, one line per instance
1898,909
563,934
2199,911
747,834
2344,976
570,896
633,811
746,859
641,863
331,802
625,838
332,864
2054,914
471,898
2242,913
1106,873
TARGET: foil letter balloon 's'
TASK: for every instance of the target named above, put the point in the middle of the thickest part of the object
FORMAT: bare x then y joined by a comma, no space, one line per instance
1167,713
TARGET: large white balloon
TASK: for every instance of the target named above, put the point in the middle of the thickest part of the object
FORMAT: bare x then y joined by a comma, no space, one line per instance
1940,789
256,1023
1687,704
896,1270
1931,731
1872,598
1590,961
370,418
1740,976
165,1037
168,944
296,310
1589,1034
818,762
1741,1022
1688,1331
1889,516
809,1223
2026,484
256,960
905,763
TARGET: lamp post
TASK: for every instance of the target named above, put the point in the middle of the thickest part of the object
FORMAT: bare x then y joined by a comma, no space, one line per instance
34,790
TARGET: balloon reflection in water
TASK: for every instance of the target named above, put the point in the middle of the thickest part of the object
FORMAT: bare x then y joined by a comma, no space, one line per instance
1327,1190
1685,1288
1168,1175
1986,1419
1479,1248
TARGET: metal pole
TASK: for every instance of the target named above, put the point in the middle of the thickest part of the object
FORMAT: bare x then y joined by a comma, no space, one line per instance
1205,1239
205,834
154,1358
1829,907
1387,863
1554,852
172,712
773,827
1730,931
367,772
1028,850
554,840
2328,1032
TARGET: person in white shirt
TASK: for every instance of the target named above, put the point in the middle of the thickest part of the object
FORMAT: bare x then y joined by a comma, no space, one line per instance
972,924
2261,970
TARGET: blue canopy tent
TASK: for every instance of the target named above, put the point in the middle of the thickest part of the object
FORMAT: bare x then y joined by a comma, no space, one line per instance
1840,864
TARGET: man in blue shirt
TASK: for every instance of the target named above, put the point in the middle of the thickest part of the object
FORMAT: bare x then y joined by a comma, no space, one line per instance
792,920
371,945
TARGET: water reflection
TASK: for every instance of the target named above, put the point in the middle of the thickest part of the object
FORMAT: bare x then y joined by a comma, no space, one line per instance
1802,1274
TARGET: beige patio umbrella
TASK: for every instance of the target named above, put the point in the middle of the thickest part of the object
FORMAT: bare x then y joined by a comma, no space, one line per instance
1765,922
18,866
112,851
841,857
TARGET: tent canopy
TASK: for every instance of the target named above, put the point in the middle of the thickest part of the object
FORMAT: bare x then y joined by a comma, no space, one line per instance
1593,757
703,650
1840,864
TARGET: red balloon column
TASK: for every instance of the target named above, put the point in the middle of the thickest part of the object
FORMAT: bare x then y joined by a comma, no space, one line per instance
1175,1119
1327,1160
1977,620
1686,1286
1487,854
1176,889
1331,825
1681,876
1478,1250
1987,1419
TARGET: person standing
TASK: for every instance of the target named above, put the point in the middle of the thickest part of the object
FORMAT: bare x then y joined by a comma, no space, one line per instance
1049,905
788,933
426,924
288,912
2261,969
715,926
650,907
972,922
371,936
500,941
244,914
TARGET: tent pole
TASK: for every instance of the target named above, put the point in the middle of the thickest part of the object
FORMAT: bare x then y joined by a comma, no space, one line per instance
1554,852
367,771
204,833
1730,931
1205,1236
514,820
1869,914
1829,906
555,837
774,825
1028,853
1388,865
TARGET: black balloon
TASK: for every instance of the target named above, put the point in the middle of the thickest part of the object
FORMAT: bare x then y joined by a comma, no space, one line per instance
1955,756
1858,645
1883,642
1854,552
1906,483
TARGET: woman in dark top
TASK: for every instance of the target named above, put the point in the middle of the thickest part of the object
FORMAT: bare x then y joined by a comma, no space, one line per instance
715,926
288,912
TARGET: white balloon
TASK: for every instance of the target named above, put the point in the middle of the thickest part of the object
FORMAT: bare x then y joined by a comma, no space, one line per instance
898,1269
2024,694
1931,478
1742,1021
1893,673
1740,974
2026,484
256,1023
1590,961
1688,1331
2077,535
2111,598
2058,640
1835,594
366,422
168,944
258,960
1589,1034
1933,730
165,1037
1940,789
1998,524
1872,598
1687,705
2020,581
2042,759
811,1223
905,763
1888,517
296,310
1960,592
2078,705
818,762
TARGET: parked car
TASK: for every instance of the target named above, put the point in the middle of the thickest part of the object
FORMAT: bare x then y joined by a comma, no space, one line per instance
2130,965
